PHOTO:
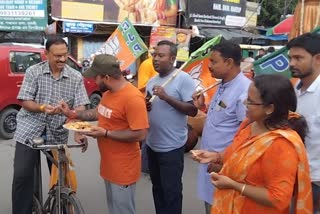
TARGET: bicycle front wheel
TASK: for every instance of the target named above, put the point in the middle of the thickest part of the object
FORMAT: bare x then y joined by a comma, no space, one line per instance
70,204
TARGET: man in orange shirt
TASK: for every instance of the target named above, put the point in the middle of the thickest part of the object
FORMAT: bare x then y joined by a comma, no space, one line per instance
122,123
146,71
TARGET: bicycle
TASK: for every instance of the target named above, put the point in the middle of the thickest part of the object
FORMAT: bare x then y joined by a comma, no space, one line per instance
61,198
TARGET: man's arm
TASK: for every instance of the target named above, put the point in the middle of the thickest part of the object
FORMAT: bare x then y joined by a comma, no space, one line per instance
185,107
79,112
87,115
32,106
128,135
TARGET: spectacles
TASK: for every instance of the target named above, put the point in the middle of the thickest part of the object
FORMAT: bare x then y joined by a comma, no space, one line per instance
248,102
60,56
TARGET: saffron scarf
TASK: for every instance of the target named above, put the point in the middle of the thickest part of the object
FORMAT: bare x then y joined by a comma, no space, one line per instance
229,201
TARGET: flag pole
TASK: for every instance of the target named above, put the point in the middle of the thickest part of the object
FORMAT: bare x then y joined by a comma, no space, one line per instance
208,88
171,78
204,47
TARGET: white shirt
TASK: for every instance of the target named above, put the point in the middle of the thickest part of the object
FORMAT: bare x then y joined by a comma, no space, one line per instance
308,106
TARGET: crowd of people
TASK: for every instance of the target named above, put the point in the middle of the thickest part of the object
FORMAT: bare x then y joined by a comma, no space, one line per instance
259,151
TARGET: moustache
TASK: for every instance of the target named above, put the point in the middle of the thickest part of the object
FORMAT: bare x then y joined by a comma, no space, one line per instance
293,68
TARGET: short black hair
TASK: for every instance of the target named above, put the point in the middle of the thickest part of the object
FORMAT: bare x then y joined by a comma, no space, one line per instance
173,47
308,41
55,40
277,90
229,49
250,54
271,49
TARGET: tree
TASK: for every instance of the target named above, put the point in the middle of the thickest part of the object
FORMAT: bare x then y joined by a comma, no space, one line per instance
272,11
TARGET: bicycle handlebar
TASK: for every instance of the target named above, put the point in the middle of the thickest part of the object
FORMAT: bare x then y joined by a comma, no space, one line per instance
37,143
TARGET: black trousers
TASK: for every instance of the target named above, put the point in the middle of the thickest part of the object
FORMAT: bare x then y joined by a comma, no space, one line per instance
23,185
166,170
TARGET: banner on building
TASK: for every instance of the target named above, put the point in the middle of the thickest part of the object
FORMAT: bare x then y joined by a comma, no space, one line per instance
17,15
143,12
161,33
217,12
124,43
181,37
252,12
77,27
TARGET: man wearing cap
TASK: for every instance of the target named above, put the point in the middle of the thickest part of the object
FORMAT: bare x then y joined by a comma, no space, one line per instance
122,123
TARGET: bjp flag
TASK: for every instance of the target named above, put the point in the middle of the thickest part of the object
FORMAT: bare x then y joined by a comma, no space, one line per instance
125,44
197,67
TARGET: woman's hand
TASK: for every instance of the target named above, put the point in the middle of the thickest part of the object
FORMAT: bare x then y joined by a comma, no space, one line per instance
221,181
203,156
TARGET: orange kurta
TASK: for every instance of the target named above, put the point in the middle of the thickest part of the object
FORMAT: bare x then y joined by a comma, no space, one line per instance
272,160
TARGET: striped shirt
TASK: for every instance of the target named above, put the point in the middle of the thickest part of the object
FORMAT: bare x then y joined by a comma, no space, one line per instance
41,87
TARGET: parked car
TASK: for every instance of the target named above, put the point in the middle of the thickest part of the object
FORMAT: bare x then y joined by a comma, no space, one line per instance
15,58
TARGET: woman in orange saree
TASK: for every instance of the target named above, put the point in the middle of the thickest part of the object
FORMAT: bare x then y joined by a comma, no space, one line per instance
265,169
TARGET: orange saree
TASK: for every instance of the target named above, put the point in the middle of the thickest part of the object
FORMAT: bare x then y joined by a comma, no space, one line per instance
275,160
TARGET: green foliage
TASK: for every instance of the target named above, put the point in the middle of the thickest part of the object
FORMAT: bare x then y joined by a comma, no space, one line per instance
272,10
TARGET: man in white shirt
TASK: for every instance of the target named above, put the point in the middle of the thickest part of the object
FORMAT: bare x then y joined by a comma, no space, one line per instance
304,57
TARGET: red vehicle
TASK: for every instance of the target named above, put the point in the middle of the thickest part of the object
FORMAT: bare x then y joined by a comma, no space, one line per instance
15,58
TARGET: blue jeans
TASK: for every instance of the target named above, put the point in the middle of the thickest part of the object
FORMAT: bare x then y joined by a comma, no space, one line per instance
316,198
166,170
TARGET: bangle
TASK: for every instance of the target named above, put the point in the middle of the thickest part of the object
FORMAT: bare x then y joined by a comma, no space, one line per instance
243,188
106,134
42,107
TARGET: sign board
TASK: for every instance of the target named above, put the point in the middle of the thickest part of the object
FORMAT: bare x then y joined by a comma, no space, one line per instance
23,15
217,12
142,12
252,12
77,27
181,37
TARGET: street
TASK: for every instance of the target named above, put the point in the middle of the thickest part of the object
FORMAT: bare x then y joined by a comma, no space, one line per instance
91,191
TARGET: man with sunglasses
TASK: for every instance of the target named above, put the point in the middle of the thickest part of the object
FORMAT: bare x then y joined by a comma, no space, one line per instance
225,112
